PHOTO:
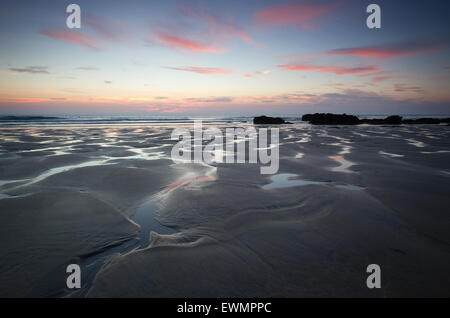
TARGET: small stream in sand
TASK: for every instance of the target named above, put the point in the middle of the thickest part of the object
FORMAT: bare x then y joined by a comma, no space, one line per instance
145,216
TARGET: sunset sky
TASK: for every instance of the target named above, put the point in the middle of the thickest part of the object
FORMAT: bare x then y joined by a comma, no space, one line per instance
172,58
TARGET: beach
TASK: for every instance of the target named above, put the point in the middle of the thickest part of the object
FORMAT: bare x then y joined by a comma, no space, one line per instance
110,198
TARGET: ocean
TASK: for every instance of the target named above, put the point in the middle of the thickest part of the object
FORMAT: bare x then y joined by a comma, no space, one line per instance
124,120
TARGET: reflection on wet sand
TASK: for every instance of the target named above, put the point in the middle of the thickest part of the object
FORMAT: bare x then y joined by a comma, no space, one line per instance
55,171
415,142
345,164
392,155
287,180
186,181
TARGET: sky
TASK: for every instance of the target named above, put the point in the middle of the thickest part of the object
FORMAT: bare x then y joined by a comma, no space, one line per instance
224,58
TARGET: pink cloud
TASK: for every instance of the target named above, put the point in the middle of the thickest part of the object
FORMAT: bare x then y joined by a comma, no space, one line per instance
338,70
104,29
178,42
219,28
22,100
73,36
234,30
197,30
386,51
336,85
301,15
202,70
265,72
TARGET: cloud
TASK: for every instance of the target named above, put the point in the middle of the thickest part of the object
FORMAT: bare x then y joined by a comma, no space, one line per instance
87,68
337,85
219,27
388,51
196,29
103,30
288,98
179,42
256,74
379,79
338,70
383,51
21,100
209,100
265,72
202,70
301,15
106,28
73,36
406,88
31,69
347,100
354,93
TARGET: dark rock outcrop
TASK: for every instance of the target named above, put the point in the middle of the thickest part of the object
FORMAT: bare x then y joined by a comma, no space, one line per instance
344,119
264,120
391,120
331,119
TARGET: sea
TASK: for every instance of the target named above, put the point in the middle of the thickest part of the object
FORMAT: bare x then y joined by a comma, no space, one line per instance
129,120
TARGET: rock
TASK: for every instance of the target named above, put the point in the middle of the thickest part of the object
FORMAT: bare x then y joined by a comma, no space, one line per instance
331,119
264,120
429,121
391,120
344,119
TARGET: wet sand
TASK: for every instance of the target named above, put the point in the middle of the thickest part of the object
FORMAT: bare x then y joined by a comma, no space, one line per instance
344,198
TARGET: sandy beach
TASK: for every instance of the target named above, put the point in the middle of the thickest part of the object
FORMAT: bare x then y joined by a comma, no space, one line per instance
110,198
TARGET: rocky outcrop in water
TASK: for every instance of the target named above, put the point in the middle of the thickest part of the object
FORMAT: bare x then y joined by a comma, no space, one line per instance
344,119
331,119
264,120
391,120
